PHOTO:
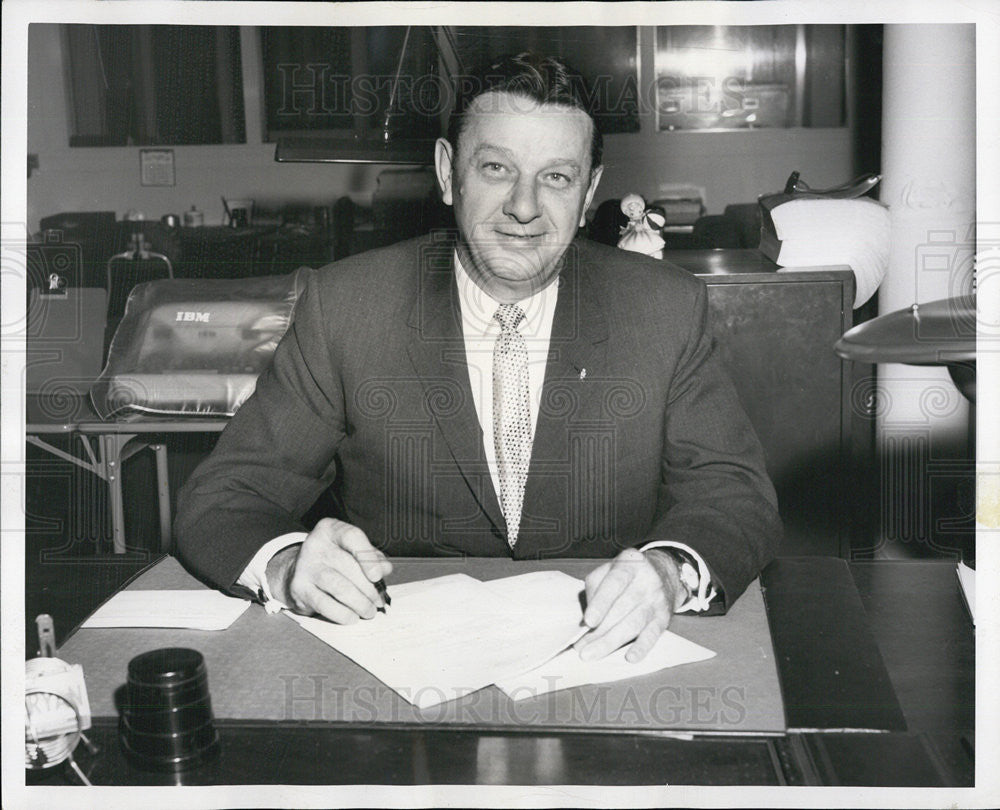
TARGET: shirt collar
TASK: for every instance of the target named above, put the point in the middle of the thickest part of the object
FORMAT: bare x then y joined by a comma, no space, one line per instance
478,307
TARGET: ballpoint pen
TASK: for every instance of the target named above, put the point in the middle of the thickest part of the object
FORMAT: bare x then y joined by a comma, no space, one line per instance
384,593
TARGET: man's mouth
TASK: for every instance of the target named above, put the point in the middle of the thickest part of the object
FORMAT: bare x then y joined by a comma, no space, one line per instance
520,237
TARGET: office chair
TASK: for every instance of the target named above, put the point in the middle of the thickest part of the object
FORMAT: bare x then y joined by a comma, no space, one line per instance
405,204
212,252
134,266
608,222
341,227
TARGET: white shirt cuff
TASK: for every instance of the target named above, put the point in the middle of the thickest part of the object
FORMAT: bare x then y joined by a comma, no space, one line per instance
702,594
254,576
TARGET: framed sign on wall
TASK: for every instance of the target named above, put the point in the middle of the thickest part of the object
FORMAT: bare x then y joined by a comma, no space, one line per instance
156,167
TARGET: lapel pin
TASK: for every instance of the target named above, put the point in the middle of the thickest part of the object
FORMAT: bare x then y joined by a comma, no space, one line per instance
583,373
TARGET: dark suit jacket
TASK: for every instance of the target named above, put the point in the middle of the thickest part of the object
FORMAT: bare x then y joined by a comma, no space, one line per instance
369,389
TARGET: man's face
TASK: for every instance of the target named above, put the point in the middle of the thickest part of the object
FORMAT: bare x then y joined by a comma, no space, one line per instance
520,183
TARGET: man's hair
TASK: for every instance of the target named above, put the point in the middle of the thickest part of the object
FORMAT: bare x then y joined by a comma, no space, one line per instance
543,79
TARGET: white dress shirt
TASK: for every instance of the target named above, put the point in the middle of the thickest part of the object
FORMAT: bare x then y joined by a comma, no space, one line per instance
480,331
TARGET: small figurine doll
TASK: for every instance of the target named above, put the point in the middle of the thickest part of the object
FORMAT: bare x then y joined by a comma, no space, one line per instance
642,234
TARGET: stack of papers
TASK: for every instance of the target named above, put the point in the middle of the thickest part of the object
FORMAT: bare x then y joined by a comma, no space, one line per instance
191,610
446,637
567,669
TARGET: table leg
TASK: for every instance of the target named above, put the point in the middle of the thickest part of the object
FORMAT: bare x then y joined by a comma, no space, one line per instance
111,453
106,463
163,494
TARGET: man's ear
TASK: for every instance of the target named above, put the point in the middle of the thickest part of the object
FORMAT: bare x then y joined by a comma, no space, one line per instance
595,178
443,157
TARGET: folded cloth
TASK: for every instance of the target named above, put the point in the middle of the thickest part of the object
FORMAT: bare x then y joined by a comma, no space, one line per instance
808,232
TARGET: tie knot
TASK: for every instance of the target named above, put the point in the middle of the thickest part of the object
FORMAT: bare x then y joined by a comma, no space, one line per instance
509,316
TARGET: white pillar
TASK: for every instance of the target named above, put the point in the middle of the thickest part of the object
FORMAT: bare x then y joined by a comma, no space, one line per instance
929,183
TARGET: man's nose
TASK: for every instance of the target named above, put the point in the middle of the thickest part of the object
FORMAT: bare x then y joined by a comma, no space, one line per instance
522,204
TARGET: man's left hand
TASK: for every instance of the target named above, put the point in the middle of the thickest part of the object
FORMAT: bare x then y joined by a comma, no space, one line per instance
631,597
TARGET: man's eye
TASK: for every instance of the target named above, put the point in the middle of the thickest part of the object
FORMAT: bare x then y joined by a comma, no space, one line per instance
558,179
492,167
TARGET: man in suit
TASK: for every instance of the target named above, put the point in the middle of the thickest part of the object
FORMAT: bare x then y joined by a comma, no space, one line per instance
508,391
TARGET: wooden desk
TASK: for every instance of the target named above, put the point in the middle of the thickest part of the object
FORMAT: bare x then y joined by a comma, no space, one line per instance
106,445
723,261
774,333
924,659
927,640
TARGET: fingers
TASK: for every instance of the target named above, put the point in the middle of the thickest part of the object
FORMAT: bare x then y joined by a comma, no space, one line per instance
338,546
335,571
647,637
626,600
607,583
316,602
331,585
593,580
609,637
373,562
350,588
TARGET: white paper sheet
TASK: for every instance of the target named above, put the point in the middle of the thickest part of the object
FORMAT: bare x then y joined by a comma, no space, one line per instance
567,669
967,581
446,637
192,610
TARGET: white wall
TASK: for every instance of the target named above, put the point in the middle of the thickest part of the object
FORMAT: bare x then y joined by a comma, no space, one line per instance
729,166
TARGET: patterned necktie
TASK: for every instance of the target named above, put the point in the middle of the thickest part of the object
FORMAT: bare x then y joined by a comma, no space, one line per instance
511,415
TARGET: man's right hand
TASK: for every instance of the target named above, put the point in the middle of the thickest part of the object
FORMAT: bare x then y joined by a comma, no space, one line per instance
331,574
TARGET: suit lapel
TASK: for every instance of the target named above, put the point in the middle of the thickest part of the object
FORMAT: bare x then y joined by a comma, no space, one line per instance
577,351
437,352
579,327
